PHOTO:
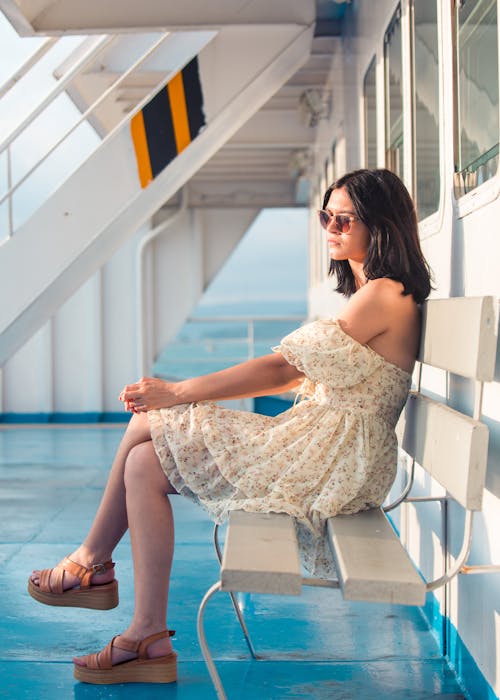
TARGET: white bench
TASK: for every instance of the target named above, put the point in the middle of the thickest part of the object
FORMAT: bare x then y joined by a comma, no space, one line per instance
261,552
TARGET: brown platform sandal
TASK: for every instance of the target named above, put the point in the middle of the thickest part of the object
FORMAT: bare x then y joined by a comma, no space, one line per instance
87,595
162,669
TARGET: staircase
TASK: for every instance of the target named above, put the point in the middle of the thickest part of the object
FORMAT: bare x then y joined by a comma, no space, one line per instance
86,261
103,202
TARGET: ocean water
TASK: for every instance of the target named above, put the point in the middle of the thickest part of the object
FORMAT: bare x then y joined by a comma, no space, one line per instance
219,335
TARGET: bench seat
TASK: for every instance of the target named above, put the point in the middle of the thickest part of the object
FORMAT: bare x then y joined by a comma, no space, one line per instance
371,562
261,554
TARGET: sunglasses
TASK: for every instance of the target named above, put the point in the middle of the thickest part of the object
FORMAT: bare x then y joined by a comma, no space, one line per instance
342,222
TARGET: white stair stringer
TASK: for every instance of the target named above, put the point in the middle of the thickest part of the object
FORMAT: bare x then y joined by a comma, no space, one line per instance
77,230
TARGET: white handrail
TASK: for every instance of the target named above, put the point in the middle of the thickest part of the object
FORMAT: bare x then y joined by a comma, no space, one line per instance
248,340
246,317
85,114
10,208
98,46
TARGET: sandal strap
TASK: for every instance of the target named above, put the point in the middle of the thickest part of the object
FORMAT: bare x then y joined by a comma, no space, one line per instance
142,649
101,660
83,573
46,586
122,642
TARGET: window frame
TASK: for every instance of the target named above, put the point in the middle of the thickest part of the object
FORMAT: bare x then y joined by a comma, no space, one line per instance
488,191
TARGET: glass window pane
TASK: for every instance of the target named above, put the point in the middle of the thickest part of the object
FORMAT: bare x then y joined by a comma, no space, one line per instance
426,107
476,151
370,100
394,96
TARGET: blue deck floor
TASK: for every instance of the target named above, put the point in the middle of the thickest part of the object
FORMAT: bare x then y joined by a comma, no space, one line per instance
317,646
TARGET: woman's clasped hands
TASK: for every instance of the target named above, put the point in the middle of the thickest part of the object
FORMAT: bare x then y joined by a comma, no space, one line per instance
147,394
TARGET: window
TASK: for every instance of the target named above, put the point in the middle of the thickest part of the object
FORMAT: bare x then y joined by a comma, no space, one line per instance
370,105
476,88
426,101
394,96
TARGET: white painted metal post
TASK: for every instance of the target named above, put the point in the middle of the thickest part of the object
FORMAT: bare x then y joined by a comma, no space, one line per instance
9,186
143,356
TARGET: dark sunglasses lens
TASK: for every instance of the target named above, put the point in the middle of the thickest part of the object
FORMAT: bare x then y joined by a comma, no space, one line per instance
324,218
343,223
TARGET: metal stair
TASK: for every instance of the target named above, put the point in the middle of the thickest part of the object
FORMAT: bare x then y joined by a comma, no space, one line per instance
102,203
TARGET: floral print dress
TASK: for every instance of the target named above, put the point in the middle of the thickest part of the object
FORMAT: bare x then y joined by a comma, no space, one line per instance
334,452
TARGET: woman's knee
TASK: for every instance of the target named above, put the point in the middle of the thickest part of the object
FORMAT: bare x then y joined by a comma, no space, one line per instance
142,467
138,429
139,461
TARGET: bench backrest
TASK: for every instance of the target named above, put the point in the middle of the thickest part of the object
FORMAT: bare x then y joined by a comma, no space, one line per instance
458,335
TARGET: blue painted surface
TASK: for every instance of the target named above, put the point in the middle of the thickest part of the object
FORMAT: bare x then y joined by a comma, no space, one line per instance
453,647
267,405
316,645
271,405
78,418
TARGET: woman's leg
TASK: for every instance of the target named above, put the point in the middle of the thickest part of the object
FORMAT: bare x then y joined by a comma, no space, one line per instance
151,528
110,522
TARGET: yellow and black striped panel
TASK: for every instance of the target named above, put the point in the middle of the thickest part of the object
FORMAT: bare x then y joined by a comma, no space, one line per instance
168,123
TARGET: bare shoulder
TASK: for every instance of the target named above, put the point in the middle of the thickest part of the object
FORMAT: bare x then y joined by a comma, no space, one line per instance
383,289
381,316
381,297
387,296
379,308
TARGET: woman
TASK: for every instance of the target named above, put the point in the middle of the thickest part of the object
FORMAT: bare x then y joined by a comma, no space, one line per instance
334,453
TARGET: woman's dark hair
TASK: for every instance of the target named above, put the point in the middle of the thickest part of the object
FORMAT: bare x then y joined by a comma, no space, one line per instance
383,204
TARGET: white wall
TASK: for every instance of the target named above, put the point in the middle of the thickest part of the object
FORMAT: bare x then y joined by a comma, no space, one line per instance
80,360
463,247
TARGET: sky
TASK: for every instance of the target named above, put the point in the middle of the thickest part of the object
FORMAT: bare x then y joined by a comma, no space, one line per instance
14,49
270,262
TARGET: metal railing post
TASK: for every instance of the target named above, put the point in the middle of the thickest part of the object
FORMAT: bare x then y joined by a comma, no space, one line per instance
9,187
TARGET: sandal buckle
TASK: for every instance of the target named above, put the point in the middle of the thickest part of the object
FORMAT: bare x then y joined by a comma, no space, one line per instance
98,569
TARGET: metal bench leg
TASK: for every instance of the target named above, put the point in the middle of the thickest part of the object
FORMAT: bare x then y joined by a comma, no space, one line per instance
234,601
219,688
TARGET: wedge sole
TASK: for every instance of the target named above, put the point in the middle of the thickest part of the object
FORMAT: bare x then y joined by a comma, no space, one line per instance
103,597
160,670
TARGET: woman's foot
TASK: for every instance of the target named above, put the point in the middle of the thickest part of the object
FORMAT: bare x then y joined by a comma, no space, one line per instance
99,575
130,660
73,583
157,648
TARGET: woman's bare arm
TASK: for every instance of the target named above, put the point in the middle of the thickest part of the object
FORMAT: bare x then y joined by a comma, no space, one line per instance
270,374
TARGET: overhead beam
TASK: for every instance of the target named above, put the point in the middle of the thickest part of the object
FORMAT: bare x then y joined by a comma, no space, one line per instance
55,17
207,194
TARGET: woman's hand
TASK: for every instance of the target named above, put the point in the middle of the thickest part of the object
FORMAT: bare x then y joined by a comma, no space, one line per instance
263,375
148,393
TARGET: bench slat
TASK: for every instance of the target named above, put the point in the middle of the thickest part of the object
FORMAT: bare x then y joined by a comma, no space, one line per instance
372,564
459,335
450,446
261,554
